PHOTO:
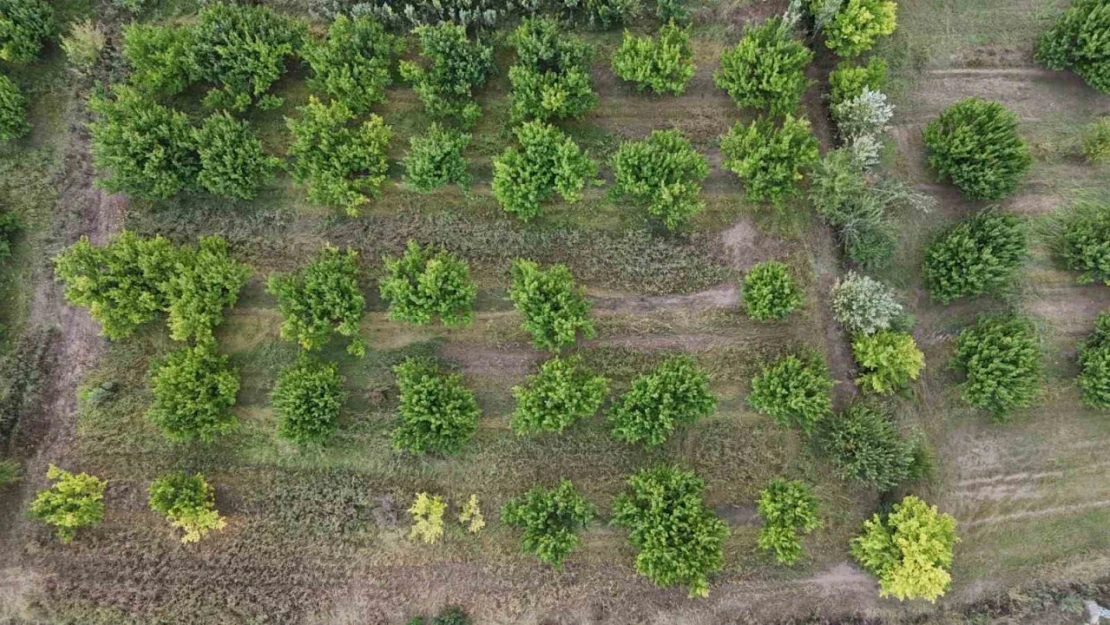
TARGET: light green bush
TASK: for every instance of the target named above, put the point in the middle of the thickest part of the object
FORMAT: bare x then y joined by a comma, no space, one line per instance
769,158
194,390
455,65
435,159
788,508
72,502
232,163
425,283
1002,361
909,550
551,519
188,502
307,399
888,361
664,64
766,70
352,65
551,79
547,162
793,390
769,291
672,395
322,298
555,310
560,395
663,171
975,144
438,413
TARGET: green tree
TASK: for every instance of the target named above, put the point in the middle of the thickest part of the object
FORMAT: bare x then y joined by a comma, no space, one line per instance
83,44
322,298
341,165
424,283
307,399
438,413
547,162
664,64
159,56
976,256
352,64
435,159
769,291
560,395
864,445
232,163
13,111
849,80
1094,365
551,79
975,144
1078,42
203,282
551,519
664,172
555,310
788,508
680,539
793,390
25,25
766,70
888,361
1086,241
859,24
1002,362
72,502
769,158
454,66
188,502
864,305
194,391
673,394
909,550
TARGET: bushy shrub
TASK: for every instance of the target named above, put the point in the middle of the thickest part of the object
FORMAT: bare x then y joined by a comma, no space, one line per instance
1096,141
424,283
672,10
142,148
1078,42
25,25
438,413
663,171
551,79
352,64
323,297
435,159
788,508
793,390
203,282
427,518
547,161
766,70
194,391
664,64
13,111
243,48
551,519
888,361
769,158
341,165
858,24
909,550
159,56
232,163
864,305
560,395
864,445
83,44
455,65
975,144
976,256
1094,365
187,502
849,80
680,539
604,13
72,502
864,115
1086,241
307,398
471,515
673,394
1002,362
770,292
555,310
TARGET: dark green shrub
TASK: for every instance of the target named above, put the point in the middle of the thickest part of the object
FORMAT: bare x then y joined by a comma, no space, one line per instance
560,395
793,390
72,502
888,361
664,64
604,13
679,538
352,64
194,391
788,508
159,56
10,226
307,398
864,445
663,171
1002,362
769,158
1094,365
436,159
975,144
323,297
188,502
547,162
425,283
13,111
1086,242
976,256
1078,42
438,413
550,519
769,291
232,163
766,70
25,25
555,310
858,24
455,65
674,394
341,165
848,80
672,10
551,79
909,550
203,282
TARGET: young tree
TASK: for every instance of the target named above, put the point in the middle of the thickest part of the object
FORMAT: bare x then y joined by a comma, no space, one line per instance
793,390
555,310
194,391
323,297
1094,365
663,171
848,80
863,116
427,518
83,44
551,79
471,515
864,305
204,281
976,256
664,65
769,291
888,360
769,159
865,446
25,25
232,163
72,502
975,144
425,283
187,502
766,70
858,24
341,165
547,162
436,159
159,56
1078,42
13,111
1002,362
1086,241
909,550
679,538
307,398
560,395
438,413
674,394
788,508
551,519
455,66
352,64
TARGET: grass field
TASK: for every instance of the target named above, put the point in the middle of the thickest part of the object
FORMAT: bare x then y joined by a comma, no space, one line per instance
321,537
